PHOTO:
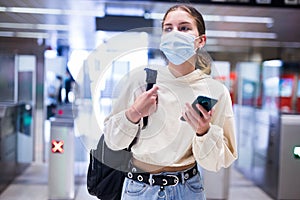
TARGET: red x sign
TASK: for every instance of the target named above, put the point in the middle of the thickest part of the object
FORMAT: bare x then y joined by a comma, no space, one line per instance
57,146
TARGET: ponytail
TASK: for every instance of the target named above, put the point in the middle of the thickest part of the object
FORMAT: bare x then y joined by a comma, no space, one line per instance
203,61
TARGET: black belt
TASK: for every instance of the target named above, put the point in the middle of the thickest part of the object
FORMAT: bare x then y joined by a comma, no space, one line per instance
163,179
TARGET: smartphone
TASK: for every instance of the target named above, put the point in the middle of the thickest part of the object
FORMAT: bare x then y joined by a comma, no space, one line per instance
207,103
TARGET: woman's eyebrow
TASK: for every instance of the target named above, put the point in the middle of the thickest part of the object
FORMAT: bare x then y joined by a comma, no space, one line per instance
168,24
181,23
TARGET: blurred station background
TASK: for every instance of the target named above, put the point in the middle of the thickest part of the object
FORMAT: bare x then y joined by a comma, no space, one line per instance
60,62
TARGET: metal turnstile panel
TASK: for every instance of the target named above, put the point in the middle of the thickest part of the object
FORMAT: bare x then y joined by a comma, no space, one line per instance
216,184
289,165
61,160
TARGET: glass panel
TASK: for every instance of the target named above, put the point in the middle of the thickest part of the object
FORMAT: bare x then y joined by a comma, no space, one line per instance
25,86
7,74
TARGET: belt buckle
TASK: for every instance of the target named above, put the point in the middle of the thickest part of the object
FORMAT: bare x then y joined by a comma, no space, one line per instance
176,181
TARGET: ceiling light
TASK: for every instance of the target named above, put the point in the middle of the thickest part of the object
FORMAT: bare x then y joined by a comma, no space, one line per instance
154,16
241,34
291,44
31,35
239,19
98,13
58,27
272,63
124,11
6,34
257,35
221,18
34,10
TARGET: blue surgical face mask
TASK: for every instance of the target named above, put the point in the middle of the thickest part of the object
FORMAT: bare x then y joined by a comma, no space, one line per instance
177,46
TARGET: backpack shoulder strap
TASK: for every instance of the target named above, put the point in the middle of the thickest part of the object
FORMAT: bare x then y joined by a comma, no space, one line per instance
151,76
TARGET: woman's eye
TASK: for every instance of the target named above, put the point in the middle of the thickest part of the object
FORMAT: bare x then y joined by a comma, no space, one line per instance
184,28
168,29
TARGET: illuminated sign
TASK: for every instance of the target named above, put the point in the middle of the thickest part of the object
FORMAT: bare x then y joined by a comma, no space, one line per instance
296,152
57,146
60,112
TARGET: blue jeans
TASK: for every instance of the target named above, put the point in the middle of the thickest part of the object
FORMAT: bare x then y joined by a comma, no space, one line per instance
191,189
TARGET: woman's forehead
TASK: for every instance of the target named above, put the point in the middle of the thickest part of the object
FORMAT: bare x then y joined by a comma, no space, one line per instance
178,16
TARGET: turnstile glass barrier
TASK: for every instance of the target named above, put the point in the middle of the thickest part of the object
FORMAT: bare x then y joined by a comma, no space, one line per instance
10,120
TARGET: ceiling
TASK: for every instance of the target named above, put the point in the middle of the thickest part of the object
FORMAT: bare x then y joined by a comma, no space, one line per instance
72,22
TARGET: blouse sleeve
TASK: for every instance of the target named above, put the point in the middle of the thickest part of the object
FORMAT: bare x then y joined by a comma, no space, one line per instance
119,132
217,148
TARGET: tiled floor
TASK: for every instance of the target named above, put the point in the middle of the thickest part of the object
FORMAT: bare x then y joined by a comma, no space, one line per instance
32,185
243,189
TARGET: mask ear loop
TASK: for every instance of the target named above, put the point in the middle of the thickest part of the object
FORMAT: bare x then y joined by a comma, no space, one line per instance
197,49
201,46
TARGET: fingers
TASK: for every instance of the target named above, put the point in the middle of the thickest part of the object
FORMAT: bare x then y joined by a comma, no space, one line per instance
191,113
200,123
152,93
206,115
146,103
153,90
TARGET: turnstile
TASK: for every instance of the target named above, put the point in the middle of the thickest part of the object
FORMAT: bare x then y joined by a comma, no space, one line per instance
289,158
61,160
216,184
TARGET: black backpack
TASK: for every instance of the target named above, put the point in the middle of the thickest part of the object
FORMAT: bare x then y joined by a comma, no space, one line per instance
107,168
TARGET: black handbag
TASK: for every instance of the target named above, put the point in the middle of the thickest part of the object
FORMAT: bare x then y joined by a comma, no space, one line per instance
107,168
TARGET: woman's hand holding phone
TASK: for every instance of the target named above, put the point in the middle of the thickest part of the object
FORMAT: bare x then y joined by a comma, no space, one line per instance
198,115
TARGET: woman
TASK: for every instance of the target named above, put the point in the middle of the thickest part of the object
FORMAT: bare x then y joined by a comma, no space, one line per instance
168,148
